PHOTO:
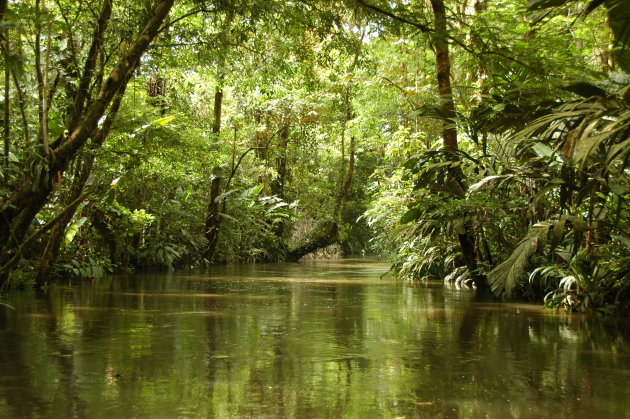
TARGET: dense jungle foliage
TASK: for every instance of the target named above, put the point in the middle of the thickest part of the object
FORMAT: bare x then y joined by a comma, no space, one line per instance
480,142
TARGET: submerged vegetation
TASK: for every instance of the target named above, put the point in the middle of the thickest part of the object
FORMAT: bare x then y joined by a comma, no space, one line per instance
481,142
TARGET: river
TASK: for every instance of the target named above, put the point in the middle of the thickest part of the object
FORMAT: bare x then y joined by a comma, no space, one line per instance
315,339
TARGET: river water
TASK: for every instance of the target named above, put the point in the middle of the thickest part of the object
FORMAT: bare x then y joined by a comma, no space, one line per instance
315,339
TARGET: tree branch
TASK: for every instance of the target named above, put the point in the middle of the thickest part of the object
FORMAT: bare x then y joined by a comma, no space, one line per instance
184,16
90,63
422,27
117,78
22,106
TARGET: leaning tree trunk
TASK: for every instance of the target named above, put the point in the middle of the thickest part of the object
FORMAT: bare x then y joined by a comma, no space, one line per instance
327,233
449,133
20,209
82,173
323,236
57,232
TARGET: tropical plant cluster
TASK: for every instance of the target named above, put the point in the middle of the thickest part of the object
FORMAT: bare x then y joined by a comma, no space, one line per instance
483,143
539,176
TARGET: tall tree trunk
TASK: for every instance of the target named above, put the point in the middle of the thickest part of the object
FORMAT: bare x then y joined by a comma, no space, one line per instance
156,88
4,40
7,123
218,97
443,68
278,184
157,92
213,215
218,100
345,181
41,72
449,133
260,139
4,5
19,210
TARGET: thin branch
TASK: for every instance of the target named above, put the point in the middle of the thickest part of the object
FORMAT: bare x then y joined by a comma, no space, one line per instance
425,29
72,48
488,52
101,133
240,159
184,16
200,43
422,27
413,105
238,163
22,106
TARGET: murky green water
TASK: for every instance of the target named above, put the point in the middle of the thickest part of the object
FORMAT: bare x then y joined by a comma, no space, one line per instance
316,339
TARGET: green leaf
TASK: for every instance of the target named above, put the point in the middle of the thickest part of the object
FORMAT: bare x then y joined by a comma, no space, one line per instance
618,188
256,190
6,304
411,163
224,195
73,229
542,150
411,215
276,206
163,121
485,181
558,232
623,239
586,90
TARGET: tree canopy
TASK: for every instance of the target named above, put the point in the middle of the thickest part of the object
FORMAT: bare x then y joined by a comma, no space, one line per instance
479,142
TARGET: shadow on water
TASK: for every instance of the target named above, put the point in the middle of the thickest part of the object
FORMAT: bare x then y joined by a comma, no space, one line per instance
315,339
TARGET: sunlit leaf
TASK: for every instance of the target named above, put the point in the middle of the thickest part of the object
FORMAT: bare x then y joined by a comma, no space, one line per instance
73,229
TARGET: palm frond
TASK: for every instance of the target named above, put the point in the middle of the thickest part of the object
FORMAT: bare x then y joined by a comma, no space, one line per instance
504,278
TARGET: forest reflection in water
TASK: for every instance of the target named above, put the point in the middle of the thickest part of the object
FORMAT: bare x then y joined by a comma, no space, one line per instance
315,339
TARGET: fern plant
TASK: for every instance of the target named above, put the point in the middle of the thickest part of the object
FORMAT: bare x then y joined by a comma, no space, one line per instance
578,285
161,254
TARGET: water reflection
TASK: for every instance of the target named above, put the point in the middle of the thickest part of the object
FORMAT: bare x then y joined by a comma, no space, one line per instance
317,339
